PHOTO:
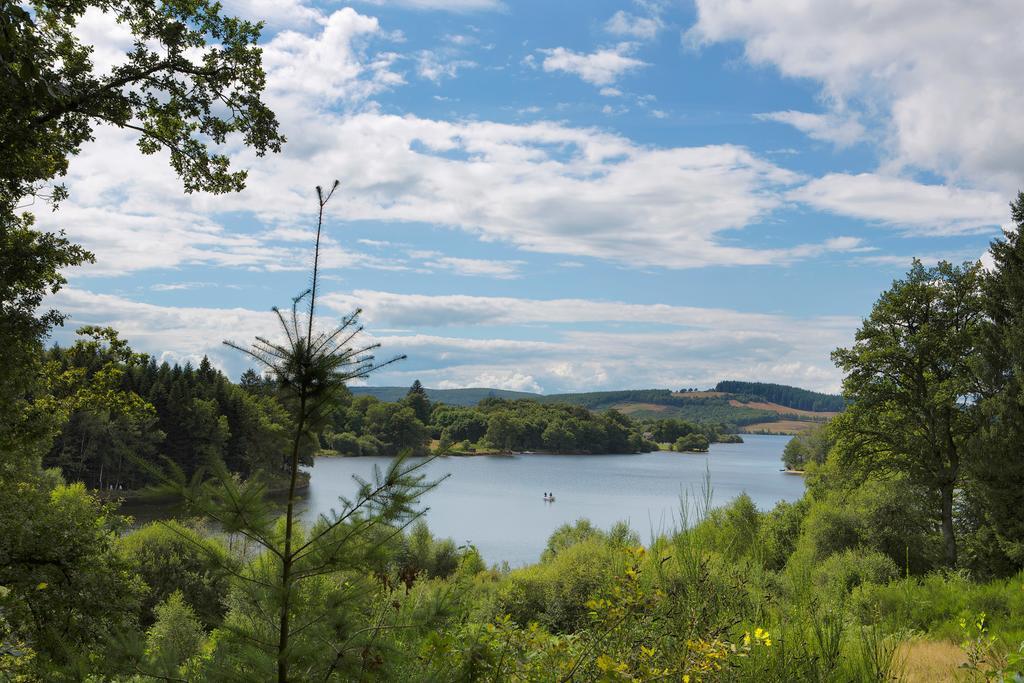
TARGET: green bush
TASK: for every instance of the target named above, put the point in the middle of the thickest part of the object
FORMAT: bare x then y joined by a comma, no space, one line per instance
829,528
554,593
732,530
844,571
370,446
692,443
170,557
346,443
779,531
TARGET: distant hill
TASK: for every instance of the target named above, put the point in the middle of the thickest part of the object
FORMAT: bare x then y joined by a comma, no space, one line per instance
744,406
455,397
791,397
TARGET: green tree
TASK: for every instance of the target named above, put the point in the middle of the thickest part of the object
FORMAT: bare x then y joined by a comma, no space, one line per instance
396,426
172,558
998,470
67,594
289,578
911,384
175,637
504,430
809,446
192,79
694,443
558,436
418,401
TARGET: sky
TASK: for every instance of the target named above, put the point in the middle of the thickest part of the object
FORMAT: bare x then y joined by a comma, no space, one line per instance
570,196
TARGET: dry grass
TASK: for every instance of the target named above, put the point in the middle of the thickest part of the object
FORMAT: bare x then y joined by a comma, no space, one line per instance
632,408
931,661
783,410
780,427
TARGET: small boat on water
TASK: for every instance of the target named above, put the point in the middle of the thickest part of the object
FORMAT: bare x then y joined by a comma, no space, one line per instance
549,497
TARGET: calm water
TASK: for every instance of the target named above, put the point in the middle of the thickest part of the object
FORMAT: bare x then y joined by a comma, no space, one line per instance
496,502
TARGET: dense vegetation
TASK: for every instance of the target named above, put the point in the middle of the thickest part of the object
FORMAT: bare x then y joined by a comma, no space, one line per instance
454,397
909,541
808,447
191,415
790,397
726,409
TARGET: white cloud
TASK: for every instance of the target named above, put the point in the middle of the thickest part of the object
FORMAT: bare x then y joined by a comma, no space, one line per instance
695,347
915,207
179,286
502,270
514,381
434,66
444,5
276,14
842,132
327,68
623,23
391,309
541,186
602,67
611,92
942,76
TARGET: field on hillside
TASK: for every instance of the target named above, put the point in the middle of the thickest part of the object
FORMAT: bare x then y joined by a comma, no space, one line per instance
749,412
778,427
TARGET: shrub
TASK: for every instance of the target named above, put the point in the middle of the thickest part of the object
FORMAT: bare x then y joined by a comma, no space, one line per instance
554,593
844,571
733,529
779,531
370,446
346,443
175,636
692,443
171,557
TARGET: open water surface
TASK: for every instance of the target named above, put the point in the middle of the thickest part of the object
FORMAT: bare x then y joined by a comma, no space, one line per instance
496,502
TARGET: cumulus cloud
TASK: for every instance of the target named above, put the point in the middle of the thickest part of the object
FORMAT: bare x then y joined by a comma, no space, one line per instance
275,14
502,270
696,347
433,66
842,132
623,23
513,381
912,206
943,76
602,67
328,67
444,5
542,186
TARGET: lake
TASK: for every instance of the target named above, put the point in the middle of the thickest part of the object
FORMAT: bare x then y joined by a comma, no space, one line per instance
496,502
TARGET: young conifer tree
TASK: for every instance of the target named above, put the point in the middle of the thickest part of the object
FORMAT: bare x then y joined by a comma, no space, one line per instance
291,610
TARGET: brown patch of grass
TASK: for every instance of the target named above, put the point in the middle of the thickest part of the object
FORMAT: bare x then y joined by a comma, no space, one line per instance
630,408
782,410
698,394
779,427
931,661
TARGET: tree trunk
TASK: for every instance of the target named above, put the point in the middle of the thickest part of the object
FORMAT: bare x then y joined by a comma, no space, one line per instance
286,560
946,491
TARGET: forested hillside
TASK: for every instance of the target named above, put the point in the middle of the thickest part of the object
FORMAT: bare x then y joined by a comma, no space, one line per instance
791,397
731,410
454,397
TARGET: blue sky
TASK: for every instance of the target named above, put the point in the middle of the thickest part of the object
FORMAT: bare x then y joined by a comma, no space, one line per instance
572,196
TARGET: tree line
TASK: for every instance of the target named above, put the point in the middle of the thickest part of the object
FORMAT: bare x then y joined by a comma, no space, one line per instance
790,397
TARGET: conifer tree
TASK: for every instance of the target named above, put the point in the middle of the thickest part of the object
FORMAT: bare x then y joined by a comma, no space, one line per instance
289,603
418,401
